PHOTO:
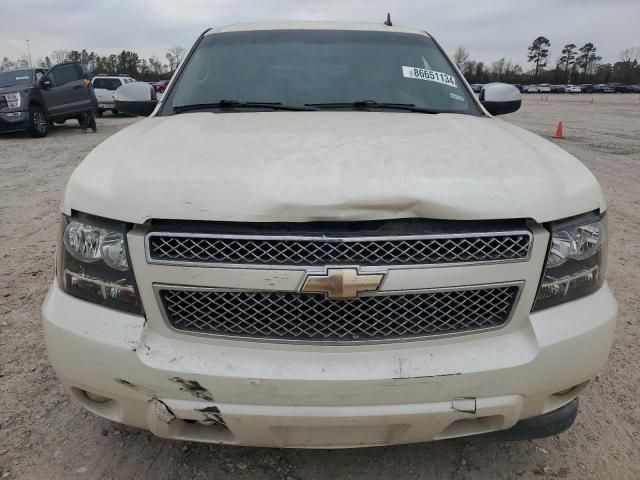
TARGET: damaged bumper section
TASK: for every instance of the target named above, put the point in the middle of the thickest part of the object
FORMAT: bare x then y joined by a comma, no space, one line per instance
276,395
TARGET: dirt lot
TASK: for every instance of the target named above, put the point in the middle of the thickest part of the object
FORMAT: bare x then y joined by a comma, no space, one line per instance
43,435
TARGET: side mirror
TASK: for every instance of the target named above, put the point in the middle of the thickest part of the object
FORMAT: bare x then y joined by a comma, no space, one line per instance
500,98
137,98
45,83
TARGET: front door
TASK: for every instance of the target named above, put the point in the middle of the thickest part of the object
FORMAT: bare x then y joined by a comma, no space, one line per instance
67,93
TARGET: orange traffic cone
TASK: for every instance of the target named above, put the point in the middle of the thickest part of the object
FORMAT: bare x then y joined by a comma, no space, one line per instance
559,131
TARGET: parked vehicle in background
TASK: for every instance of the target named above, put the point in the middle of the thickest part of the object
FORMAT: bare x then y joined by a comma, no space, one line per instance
620,88
602,88
404,268
542,88
634,88
519,87
557,88
105,86
160,86
573,89
587,88
32,99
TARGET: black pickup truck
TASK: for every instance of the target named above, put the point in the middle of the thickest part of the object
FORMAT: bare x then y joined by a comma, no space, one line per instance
32,99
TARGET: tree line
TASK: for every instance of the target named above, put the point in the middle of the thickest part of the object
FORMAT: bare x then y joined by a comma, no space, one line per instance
126,63
573,65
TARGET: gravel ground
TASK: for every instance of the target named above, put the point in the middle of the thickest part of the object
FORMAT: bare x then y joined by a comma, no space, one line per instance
43,435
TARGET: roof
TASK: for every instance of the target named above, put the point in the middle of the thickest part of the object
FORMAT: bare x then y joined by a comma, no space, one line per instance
373,27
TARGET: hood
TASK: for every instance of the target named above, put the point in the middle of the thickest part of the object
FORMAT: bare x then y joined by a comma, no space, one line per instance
14,88
310,166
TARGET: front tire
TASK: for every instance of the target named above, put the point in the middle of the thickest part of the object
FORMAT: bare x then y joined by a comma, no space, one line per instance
38,123
100,113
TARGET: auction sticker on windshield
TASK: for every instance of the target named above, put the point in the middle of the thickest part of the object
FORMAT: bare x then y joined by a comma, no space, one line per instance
429,75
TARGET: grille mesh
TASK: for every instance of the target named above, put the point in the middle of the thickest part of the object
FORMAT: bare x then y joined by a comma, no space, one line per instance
296,316
258,250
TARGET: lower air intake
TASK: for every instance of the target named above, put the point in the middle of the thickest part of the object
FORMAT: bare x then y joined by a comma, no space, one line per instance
284,316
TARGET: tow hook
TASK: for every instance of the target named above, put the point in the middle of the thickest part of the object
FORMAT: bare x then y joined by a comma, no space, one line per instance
464,404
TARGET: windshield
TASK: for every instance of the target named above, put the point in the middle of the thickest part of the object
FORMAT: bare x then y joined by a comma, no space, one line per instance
16,77
302,67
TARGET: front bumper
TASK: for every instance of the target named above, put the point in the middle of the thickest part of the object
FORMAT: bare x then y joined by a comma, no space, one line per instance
12,120
261,394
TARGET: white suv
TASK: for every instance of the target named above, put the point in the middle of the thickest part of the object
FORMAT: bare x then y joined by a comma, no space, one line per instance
105,86
322,238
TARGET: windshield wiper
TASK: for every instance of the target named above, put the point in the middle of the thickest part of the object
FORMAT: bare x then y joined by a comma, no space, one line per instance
409,107
230,104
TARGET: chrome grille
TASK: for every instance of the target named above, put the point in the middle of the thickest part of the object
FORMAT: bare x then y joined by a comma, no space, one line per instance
309,317
322,251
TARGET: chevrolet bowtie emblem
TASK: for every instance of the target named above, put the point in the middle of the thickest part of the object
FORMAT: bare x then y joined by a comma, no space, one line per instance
342,283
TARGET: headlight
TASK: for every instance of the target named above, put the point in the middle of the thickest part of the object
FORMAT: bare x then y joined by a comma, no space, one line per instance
14,100
576,261
93,263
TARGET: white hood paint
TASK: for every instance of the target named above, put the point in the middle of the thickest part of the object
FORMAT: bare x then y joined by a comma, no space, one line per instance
306,166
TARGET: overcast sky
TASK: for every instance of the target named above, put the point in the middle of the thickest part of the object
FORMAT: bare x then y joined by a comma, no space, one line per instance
488,28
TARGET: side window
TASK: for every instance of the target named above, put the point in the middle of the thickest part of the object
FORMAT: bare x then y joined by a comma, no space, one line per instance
64,74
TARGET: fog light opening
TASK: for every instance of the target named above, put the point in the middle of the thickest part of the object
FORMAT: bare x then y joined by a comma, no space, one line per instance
96,398
472,426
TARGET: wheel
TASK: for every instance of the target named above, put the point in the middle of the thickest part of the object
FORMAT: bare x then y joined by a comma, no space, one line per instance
38,124
100,113
60,122
115,112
